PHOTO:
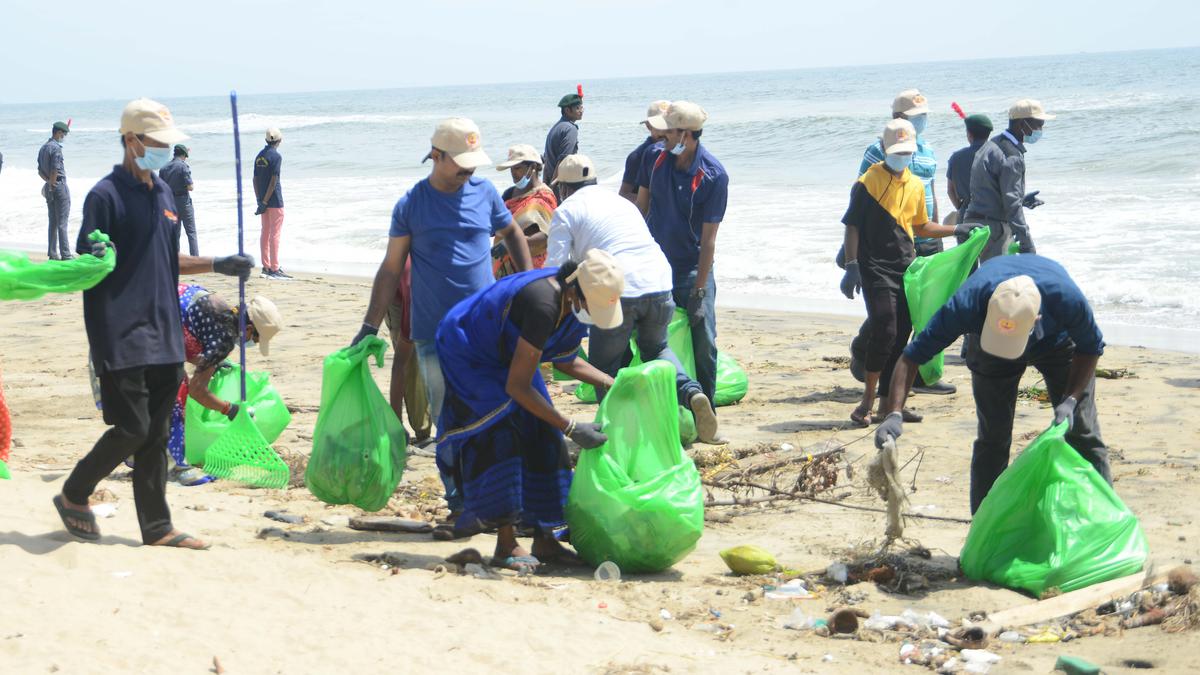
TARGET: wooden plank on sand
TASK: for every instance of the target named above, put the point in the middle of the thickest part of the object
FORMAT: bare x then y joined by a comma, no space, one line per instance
1070,603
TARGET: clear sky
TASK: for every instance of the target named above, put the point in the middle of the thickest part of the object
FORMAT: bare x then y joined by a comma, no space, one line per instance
101,49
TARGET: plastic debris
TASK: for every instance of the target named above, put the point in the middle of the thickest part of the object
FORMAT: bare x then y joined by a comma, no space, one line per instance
792,590
837,572
1011,636
799,620
607,571
879,621
665,614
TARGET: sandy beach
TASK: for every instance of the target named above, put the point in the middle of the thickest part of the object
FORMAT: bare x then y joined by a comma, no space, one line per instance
295,600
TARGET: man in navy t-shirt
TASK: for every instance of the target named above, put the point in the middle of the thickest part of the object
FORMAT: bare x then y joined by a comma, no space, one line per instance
269,194
1022,311
446,222
633,162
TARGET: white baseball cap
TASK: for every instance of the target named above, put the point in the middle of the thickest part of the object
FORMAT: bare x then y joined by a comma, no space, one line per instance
143,117
680,115
1028,108
274,135
518,154
602,282
1012,312
657,108
574,169
266,319
899,136
910,102
459,137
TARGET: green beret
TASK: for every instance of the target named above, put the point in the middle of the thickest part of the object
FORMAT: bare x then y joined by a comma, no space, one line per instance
978,121
181,149
570,100
62,126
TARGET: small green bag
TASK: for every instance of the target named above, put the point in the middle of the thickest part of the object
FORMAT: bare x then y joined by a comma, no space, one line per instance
1051,520
637,499
202,427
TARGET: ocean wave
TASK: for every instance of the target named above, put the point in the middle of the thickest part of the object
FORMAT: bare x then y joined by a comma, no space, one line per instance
258,122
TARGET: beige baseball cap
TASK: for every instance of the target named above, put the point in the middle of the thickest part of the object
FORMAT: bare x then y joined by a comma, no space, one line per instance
459,137
680,115
520,153
266,319
1011,314
574,169
602,282
1028,108
899,136
274,135
657,108
144,117
910,102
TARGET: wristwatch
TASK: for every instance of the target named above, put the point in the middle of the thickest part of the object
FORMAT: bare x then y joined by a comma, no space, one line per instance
699,292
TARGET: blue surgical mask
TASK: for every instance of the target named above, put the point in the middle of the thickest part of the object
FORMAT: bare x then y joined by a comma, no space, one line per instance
679,147
154,159
1033,136
524,182
919,122
898,163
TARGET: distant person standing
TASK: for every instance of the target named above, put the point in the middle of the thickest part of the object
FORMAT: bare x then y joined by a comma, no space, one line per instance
998,180
178,176
270,203
58,197
958,167
563,138
633,162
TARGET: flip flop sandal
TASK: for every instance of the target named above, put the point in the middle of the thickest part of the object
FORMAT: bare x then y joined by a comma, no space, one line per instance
459,530
565,559
521,564
65,512
861,417
177,542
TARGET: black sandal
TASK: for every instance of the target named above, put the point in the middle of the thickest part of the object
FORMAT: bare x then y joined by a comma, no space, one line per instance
66,513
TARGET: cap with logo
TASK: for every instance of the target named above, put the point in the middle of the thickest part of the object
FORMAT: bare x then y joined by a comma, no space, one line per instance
575,169
1011,314
680,115
143,117
657,108
910,102
899,136
602,282
181,149
274,135
570,100
459,137
266,319
519,154
61,126
1029,109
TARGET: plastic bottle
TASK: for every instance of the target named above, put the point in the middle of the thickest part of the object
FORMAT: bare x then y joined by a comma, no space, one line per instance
608,571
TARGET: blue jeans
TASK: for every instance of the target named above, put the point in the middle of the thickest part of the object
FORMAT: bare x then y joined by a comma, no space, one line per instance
649,315
435,390
704,334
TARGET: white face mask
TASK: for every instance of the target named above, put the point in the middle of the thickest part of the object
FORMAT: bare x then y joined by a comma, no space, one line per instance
583,317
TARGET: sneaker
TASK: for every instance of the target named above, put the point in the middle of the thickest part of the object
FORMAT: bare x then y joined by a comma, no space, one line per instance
267,273
280,274
707,430
938,388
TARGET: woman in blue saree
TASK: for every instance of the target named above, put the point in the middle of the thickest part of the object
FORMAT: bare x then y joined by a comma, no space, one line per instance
498,424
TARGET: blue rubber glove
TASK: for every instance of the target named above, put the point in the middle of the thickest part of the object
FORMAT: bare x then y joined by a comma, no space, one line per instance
697,310
1065,412
891,427
851,280
1030,201
367,329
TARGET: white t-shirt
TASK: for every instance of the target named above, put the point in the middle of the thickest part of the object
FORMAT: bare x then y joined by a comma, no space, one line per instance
594,217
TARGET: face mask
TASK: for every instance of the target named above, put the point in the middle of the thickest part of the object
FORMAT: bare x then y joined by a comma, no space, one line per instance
250,344
583,317
898,163
524,182
919,122
679,147
1033,136
154,159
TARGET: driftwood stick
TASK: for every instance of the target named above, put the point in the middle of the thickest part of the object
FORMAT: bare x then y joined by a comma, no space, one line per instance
777,494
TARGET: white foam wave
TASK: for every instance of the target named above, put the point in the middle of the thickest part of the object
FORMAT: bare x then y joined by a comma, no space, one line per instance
259,122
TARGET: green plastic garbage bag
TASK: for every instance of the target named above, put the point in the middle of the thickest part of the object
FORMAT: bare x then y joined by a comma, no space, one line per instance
931,280
1051,520
202,427
731,379
359,445
23,279
636,500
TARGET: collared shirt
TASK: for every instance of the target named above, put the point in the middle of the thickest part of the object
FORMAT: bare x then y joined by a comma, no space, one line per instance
50,157
595,217
132,316
562,140
682,201
884,209
924,166
451,245
998,181
178,176
633,162
1065,312
958,170
267,164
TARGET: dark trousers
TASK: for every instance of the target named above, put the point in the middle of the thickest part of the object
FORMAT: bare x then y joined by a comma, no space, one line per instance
888,326
58,208
704,334
137,403
187,216
994,382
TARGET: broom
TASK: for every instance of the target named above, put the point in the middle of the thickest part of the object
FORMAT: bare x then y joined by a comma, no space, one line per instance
241,453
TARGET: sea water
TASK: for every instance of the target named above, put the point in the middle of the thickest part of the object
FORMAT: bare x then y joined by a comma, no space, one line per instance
1119,169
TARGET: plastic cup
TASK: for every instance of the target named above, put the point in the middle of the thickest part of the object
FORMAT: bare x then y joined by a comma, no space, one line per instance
608,571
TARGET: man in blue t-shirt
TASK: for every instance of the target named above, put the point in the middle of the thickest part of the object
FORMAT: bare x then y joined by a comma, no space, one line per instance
1021,311
446,222
269,193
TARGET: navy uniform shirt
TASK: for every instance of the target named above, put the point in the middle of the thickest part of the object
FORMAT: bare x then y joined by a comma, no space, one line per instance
682,201
132,316
1065,312
958,170
178,176
266,165
50,158
562,140
633,163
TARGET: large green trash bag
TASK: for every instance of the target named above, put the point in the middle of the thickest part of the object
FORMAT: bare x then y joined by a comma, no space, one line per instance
202,427
1051,520
636,500
731,379
23,279
359,445
931,280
